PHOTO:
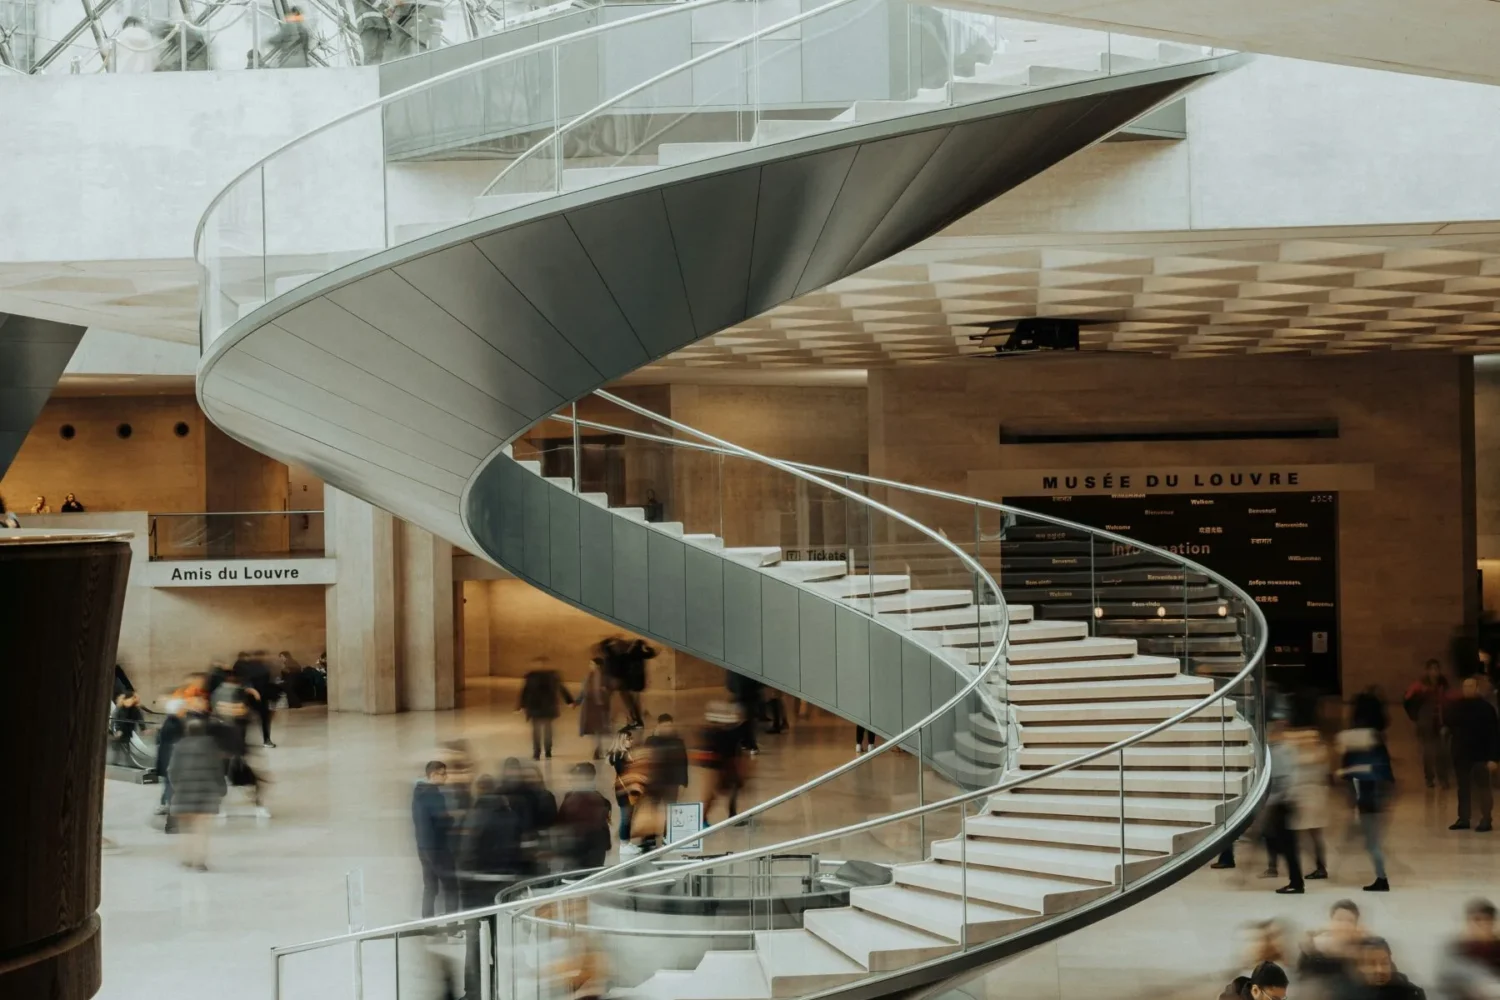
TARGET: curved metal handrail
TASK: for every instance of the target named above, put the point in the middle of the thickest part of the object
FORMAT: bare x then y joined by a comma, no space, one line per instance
428,84
975,685
562,130
588,886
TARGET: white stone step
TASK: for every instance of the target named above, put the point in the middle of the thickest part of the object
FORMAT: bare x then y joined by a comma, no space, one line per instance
987,728
531,465
770,130
1022,801
1046,631
1151,755
979,751
705,541
631,513
1227,731
862,584
958,617
1040,76
876,943
721,975
598,499
796,961
1047,859
920,600
1088,648
967,772
671,154
1213,783
809,570
579,178
1175,685
668,527
942,915
1145,837
1108,668
755,555
1152,710
1039,893
970,91
561,482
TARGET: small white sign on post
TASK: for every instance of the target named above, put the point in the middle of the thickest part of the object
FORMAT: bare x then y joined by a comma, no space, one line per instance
684,821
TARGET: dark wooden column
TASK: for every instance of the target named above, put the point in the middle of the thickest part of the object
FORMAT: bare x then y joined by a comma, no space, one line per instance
60,601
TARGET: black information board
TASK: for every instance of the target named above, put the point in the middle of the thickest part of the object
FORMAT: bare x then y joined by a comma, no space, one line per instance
1282,548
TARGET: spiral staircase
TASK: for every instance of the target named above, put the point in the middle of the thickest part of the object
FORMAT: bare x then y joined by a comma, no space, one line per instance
1053,752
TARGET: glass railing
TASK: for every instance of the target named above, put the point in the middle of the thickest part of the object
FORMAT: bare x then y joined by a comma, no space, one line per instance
237,535
677,83
928,795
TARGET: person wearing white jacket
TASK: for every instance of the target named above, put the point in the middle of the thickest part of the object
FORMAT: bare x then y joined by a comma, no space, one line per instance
135,50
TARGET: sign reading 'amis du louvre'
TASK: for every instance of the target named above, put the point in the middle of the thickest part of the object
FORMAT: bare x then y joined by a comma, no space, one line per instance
1227,479
240,572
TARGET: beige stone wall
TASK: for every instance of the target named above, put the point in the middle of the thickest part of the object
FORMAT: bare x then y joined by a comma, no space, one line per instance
508,623
1487,461
152,470
1406,547
190,627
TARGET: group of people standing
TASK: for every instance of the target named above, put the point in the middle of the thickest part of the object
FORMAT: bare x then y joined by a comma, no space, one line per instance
1459,735
1344,960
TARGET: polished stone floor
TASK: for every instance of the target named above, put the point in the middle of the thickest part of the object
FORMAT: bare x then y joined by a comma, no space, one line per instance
341,804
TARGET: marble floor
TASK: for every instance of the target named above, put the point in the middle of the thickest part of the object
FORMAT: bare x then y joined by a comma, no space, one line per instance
341,803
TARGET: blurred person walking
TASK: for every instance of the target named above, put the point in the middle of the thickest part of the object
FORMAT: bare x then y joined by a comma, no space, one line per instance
291,43
1374,976
864,740
1469,968
1474,731
135,51
434,830
1267,981
7,517
1366,764
631,671
1280,807
541,816
1424,703
746,692
583,821
492,856
593,707
542,697
1309,795
1328,954
669,760
197,774
254,675
722,753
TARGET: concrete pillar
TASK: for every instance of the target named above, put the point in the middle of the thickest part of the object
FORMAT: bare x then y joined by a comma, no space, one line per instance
362,606
424,581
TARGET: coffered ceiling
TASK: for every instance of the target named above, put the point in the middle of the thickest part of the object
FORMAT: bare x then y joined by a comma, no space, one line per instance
1199,294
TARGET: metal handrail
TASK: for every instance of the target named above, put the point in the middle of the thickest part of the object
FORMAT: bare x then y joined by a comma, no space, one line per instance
428,84
585,887
930,492
561,130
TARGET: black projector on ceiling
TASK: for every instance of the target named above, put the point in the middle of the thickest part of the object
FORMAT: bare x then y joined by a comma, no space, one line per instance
1034,334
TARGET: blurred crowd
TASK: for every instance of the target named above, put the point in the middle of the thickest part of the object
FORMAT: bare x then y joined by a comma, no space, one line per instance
1346,960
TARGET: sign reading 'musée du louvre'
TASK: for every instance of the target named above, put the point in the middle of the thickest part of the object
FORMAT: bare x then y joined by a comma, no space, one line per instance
1210,479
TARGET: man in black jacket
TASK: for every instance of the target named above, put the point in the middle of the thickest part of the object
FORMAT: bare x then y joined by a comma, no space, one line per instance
434,828
669,760
1475,733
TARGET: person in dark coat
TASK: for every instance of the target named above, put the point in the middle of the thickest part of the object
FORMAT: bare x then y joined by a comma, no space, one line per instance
434,829
1475,740
1375,976
593,707
669,761
541,700
197,773
633,677
261,690
583,822
746,692
1424,706
491,857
